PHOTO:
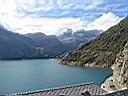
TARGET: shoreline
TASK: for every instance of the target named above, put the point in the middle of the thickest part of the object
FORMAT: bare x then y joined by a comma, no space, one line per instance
25,59
105,83
58,60
72,63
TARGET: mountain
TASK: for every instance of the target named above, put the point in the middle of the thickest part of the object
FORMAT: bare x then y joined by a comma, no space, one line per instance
77,38
48,43
53,45
32,45
16,46
102,51
45,41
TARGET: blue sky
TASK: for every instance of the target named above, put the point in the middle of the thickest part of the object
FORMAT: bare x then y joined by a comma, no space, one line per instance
53,16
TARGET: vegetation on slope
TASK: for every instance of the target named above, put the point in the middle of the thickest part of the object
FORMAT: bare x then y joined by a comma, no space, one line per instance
101,51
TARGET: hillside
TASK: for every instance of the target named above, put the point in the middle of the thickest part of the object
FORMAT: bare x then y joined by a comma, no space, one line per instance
53,45
16,46
48,43
102,51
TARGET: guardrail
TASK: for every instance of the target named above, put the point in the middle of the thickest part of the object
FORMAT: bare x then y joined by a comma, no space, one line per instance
49,89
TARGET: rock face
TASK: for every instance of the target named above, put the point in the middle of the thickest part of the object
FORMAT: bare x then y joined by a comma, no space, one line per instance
119,79
120,72
102,51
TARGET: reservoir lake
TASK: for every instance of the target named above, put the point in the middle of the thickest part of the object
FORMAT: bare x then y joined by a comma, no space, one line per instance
29,75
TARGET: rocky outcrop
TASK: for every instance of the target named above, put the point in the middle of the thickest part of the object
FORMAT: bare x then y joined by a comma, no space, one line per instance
119,79
120,72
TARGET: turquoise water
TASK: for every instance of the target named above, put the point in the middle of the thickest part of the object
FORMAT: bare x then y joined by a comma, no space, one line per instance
29,75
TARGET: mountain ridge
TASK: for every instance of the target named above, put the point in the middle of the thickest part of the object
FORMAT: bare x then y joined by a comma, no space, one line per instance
32,45
102,51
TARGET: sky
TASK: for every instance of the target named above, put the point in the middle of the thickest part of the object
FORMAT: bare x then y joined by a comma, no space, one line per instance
54,16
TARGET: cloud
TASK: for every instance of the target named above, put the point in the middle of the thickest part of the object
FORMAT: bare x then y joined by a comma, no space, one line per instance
104,22
6,9
46,25
52,16
94,4
14,19
53,7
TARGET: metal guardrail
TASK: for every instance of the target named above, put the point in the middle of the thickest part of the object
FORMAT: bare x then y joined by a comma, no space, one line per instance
48,89
116,93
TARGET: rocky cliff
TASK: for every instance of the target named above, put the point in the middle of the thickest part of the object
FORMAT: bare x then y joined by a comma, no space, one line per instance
120,72
119,79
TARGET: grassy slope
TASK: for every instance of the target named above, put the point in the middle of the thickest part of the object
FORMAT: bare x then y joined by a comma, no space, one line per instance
102,50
